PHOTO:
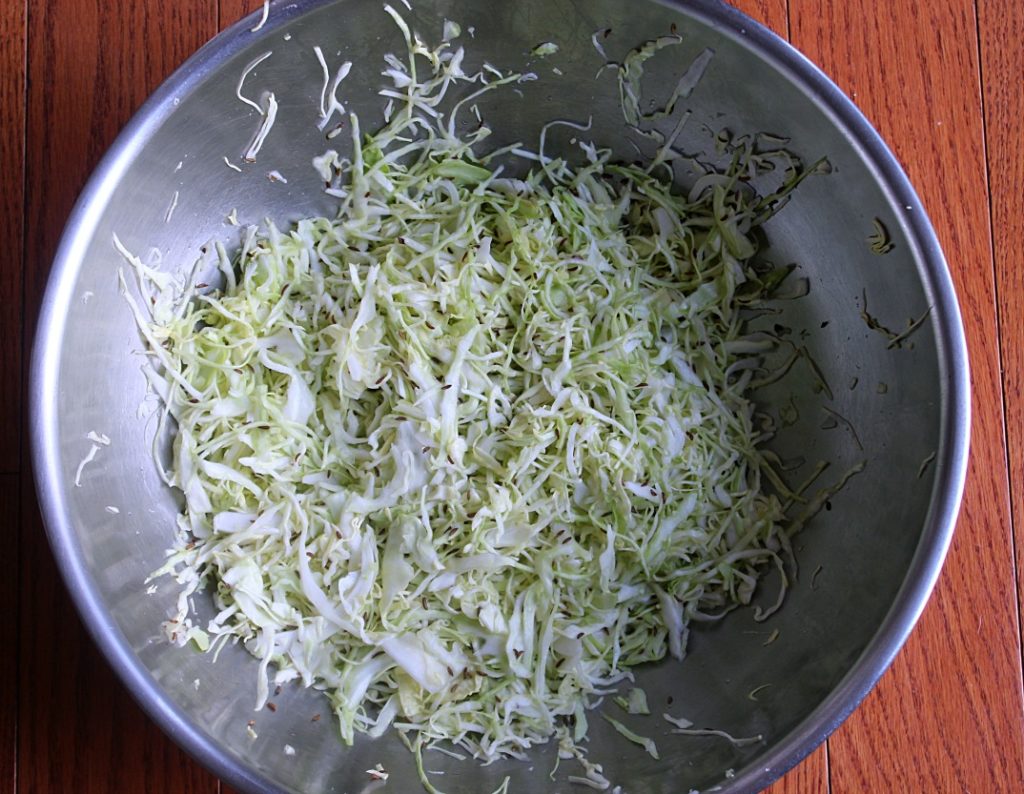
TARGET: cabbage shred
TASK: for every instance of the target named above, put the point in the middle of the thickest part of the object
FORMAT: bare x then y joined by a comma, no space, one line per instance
467,453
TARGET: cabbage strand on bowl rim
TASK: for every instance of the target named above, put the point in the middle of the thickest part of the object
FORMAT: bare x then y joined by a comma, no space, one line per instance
465,454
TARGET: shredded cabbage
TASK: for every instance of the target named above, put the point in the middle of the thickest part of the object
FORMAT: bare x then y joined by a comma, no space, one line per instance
465,454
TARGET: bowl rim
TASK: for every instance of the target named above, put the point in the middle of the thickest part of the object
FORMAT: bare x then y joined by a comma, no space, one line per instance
950,462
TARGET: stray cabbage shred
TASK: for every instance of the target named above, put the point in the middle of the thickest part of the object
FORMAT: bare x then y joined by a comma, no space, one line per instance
465,454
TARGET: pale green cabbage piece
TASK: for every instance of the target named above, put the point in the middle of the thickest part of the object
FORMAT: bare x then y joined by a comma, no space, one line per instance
465,454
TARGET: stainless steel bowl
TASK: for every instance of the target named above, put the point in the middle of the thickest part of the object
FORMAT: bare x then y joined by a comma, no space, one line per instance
880,546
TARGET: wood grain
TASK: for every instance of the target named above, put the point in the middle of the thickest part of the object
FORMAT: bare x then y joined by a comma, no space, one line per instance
1002,64
773,14
79,731
9,498
233,10
12,202
809,777
91,64
947,716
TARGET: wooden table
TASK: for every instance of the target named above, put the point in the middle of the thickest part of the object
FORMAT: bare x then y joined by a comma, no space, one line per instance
943,80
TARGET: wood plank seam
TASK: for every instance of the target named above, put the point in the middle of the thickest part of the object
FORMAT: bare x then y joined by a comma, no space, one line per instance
999,350
915,68
1013,486
21,235
90,65
20,453
996,288
828,766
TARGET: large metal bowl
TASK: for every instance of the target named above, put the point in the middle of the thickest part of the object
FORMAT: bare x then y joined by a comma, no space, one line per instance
879,546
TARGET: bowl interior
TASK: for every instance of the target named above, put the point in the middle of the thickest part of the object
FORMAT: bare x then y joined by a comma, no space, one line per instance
894,403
